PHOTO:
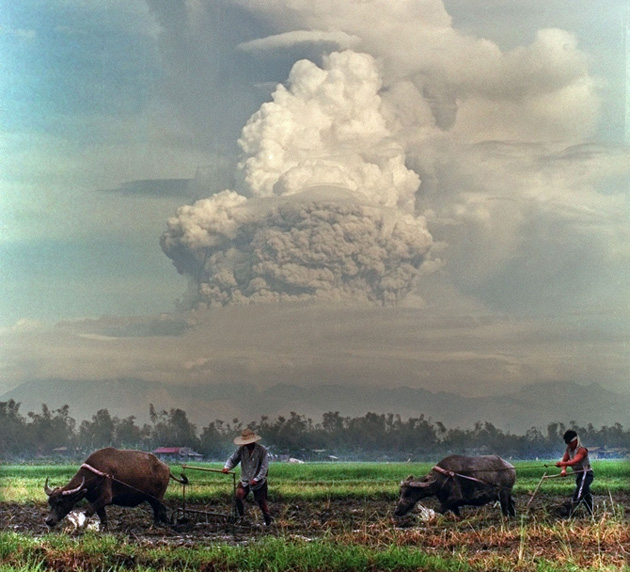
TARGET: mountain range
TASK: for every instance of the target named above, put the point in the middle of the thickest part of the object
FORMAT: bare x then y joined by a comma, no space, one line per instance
534,405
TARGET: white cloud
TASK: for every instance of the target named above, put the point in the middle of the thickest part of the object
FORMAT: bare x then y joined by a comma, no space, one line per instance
290,39
421,118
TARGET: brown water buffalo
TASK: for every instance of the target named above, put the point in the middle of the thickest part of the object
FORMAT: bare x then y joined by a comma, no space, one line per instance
458,480
113,476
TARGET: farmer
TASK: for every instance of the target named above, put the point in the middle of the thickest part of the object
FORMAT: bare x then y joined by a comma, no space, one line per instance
576,457
254,466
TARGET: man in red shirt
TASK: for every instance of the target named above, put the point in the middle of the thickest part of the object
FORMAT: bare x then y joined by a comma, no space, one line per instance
576,457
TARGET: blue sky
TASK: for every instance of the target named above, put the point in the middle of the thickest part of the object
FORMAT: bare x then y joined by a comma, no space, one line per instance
491,132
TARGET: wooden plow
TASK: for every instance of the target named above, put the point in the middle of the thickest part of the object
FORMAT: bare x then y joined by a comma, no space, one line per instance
544,478
185,512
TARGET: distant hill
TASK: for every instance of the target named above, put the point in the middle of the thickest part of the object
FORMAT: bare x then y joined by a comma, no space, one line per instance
534,405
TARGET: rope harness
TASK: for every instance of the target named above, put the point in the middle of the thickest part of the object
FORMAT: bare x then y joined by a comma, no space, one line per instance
96,471
454,474
113,478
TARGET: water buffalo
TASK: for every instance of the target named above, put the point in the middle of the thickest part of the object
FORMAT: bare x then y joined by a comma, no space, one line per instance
113,476
458,480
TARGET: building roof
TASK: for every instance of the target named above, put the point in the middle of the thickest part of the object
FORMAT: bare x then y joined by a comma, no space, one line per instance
182,451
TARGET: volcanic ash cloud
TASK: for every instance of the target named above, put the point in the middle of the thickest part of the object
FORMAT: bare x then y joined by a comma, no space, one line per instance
328,210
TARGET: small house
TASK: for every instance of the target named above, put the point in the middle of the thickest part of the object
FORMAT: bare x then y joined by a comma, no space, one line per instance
177,454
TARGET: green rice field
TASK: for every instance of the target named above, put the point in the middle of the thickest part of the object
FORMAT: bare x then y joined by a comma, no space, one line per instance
328,516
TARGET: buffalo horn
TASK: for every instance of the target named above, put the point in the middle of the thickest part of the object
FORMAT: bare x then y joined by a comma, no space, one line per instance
419,484
73,491
47,489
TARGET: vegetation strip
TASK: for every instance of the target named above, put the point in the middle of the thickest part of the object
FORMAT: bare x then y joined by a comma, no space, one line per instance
374,436
105,552
314,481
340,528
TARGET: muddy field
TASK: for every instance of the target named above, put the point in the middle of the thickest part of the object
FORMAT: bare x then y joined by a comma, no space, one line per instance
309,520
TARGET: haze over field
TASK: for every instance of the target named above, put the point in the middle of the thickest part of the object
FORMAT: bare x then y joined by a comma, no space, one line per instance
412,193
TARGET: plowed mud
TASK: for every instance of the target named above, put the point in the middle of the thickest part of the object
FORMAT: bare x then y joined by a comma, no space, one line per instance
208,523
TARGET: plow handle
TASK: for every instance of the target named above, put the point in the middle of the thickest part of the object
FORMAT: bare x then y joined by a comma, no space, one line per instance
207,469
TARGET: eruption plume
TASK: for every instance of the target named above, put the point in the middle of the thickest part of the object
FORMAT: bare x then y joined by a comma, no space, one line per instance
328,210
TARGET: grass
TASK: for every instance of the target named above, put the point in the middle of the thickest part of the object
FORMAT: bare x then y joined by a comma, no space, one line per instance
103,552
313,481
98,552
379,479
471,545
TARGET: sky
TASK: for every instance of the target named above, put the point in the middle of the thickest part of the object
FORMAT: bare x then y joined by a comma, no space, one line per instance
433,193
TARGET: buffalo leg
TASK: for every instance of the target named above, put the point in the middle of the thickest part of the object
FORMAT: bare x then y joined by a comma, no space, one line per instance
507,504
444,508
159,511
98,505
102,515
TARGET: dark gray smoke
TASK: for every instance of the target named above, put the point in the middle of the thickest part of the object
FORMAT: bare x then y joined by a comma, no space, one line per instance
303,250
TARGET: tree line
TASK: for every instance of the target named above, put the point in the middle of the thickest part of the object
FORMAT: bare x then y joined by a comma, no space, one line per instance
373,436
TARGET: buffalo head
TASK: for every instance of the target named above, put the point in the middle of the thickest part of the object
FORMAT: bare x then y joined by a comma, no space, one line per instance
61,501
411,491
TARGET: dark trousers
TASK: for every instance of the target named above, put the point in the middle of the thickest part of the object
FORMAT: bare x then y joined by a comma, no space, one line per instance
260,496
583,490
